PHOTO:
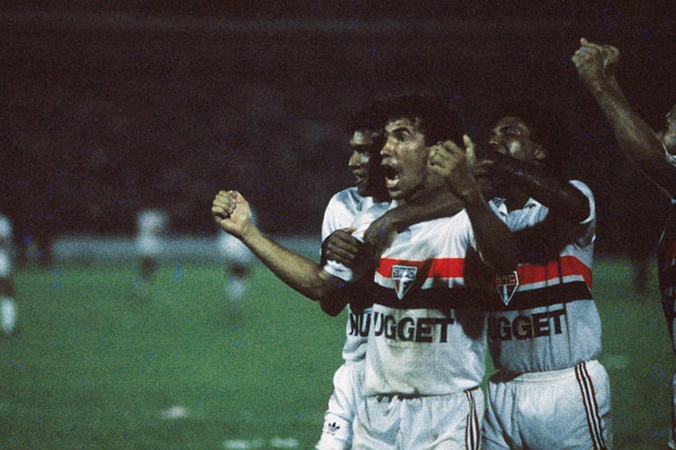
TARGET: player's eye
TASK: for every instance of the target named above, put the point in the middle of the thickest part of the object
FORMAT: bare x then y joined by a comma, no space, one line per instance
401,137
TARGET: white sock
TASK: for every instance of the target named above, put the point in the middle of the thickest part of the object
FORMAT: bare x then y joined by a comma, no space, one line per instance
9,314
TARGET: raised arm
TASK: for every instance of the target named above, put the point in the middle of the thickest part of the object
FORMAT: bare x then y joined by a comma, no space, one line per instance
595,65
232,213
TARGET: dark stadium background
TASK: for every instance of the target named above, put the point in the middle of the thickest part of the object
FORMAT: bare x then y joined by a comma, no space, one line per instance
111,106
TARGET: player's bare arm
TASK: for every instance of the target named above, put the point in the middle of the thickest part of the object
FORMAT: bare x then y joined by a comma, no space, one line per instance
435,205
231,211
634,136
341,246
494,240
547,188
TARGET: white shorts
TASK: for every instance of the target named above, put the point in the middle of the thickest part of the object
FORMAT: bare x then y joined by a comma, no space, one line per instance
440,422
562,409
338,421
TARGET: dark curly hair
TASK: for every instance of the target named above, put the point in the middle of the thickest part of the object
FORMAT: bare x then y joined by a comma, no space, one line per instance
547,128
438,120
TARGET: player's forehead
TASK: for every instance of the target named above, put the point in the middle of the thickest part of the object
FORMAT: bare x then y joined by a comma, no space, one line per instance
511,123
402,124
361,138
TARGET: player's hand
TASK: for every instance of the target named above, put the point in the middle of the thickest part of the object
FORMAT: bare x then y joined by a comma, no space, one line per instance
486,173
453,164
342,247
380,234
595,63
231,212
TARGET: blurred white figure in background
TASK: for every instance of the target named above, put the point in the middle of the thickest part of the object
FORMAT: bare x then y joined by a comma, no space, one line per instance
151,224
238,263
8,307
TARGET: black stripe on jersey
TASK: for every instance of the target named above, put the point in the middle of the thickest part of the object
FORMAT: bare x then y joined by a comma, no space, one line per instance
437,298
551,295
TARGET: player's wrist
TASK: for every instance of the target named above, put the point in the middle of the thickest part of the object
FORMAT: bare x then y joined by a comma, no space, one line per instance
472,197
249,233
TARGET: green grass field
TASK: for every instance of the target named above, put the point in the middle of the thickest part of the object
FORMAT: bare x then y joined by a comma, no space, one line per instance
95,368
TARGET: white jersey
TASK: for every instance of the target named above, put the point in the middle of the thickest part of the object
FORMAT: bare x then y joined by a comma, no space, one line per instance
348,209
150,225
427,335
547,319
342,209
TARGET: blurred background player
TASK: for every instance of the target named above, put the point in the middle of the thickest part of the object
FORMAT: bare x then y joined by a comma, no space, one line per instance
238,261
653,152
151,224
8,306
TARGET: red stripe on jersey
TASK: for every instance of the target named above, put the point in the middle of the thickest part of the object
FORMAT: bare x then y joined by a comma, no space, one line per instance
565,266
438,267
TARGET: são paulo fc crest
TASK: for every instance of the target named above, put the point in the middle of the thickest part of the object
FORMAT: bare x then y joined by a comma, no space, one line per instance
403,278
506,285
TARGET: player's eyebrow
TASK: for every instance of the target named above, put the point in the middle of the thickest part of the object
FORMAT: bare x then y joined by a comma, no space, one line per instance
510,129
399,131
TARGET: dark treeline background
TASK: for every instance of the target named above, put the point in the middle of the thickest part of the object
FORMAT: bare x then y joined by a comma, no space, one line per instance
109,107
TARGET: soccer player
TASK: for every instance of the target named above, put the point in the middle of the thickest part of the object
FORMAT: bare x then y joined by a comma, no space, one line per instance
307,277
425,352
361,203
8,307
544,331
653,152
151,224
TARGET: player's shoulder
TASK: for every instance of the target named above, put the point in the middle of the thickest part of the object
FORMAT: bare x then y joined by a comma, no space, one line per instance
349,199
350,194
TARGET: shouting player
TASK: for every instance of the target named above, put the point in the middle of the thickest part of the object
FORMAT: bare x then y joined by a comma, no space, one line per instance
362,203
426,346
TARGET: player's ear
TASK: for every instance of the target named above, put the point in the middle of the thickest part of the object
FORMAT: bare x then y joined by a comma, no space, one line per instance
540,153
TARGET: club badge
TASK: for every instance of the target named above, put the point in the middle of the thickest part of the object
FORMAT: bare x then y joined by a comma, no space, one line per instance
506,285
403,278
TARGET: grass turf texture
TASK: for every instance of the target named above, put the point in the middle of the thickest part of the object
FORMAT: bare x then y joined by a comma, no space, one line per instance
94,366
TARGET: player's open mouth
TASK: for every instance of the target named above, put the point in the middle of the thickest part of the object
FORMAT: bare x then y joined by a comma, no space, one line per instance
391,176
